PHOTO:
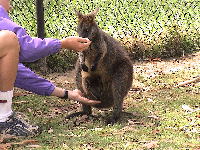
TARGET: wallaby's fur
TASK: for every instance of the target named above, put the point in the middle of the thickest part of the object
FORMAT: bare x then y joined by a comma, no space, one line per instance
104,71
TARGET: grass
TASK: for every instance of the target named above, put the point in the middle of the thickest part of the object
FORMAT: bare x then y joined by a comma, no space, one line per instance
154,119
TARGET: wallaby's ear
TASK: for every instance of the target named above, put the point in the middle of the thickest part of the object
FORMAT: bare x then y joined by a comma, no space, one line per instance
94,13
80,15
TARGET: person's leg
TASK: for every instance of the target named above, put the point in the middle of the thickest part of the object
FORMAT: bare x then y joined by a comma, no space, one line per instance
9,56
10,122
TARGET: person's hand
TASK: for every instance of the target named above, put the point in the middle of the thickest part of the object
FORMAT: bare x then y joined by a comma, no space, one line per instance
75,43
78,96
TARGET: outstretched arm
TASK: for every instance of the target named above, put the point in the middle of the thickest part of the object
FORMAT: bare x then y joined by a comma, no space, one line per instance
28,80
32,49
73,95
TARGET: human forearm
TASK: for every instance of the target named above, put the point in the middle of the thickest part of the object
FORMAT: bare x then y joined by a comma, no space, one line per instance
75,95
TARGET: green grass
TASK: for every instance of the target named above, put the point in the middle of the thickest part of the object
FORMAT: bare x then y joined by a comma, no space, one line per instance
155,23
161,120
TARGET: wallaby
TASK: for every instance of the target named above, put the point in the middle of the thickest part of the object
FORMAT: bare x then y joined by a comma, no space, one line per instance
104,71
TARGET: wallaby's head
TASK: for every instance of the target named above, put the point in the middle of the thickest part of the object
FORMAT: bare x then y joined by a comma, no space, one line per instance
87,26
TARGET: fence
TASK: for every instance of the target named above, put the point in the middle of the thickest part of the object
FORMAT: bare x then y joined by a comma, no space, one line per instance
147,28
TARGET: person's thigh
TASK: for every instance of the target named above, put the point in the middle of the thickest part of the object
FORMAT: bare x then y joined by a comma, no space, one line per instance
7,39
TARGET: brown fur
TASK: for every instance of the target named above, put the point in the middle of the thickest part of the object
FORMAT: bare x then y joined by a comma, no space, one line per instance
104,71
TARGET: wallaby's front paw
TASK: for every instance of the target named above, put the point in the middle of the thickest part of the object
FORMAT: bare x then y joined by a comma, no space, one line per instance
84,67
94,67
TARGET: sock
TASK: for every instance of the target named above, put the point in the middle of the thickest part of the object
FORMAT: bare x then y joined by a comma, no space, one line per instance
5,107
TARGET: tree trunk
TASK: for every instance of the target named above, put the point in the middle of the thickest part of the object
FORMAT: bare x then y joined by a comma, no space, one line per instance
41,65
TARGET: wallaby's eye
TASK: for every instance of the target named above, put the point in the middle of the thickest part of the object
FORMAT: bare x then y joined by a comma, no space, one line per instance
86,30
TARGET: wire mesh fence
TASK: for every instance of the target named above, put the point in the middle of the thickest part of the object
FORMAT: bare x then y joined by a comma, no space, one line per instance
147,28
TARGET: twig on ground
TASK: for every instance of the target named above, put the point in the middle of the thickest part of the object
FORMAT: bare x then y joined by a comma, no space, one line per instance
194,80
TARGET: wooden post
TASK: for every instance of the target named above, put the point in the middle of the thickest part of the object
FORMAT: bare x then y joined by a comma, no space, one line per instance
42,63
40,18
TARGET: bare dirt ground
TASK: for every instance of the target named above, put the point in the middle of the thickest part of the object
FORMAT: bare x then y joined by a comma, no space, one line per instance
157,66
150,68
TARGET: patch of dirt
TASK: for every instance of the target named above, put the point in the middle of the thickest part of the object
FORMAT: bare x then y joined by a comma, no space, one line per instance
154,67
64,80
147,68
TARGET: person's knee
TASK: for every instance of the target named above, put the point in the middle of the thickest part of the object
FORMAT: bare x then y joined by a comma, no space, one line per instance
8,39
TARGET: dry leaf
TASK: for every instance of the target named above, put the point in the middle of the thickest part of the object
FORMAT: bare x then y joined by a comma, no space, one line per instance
50,131
154,117
198,116
152,144
197,147
33,146
156,131
25,142
29,110
3,137
5,146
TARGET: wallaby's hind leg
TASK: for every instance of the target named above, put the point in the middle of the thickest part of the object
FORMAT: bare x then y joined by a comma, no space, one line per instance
122,81
86,110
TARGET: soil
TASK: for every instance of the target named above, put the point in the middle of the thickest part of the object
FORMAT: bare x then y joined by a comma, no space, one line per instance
146,68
